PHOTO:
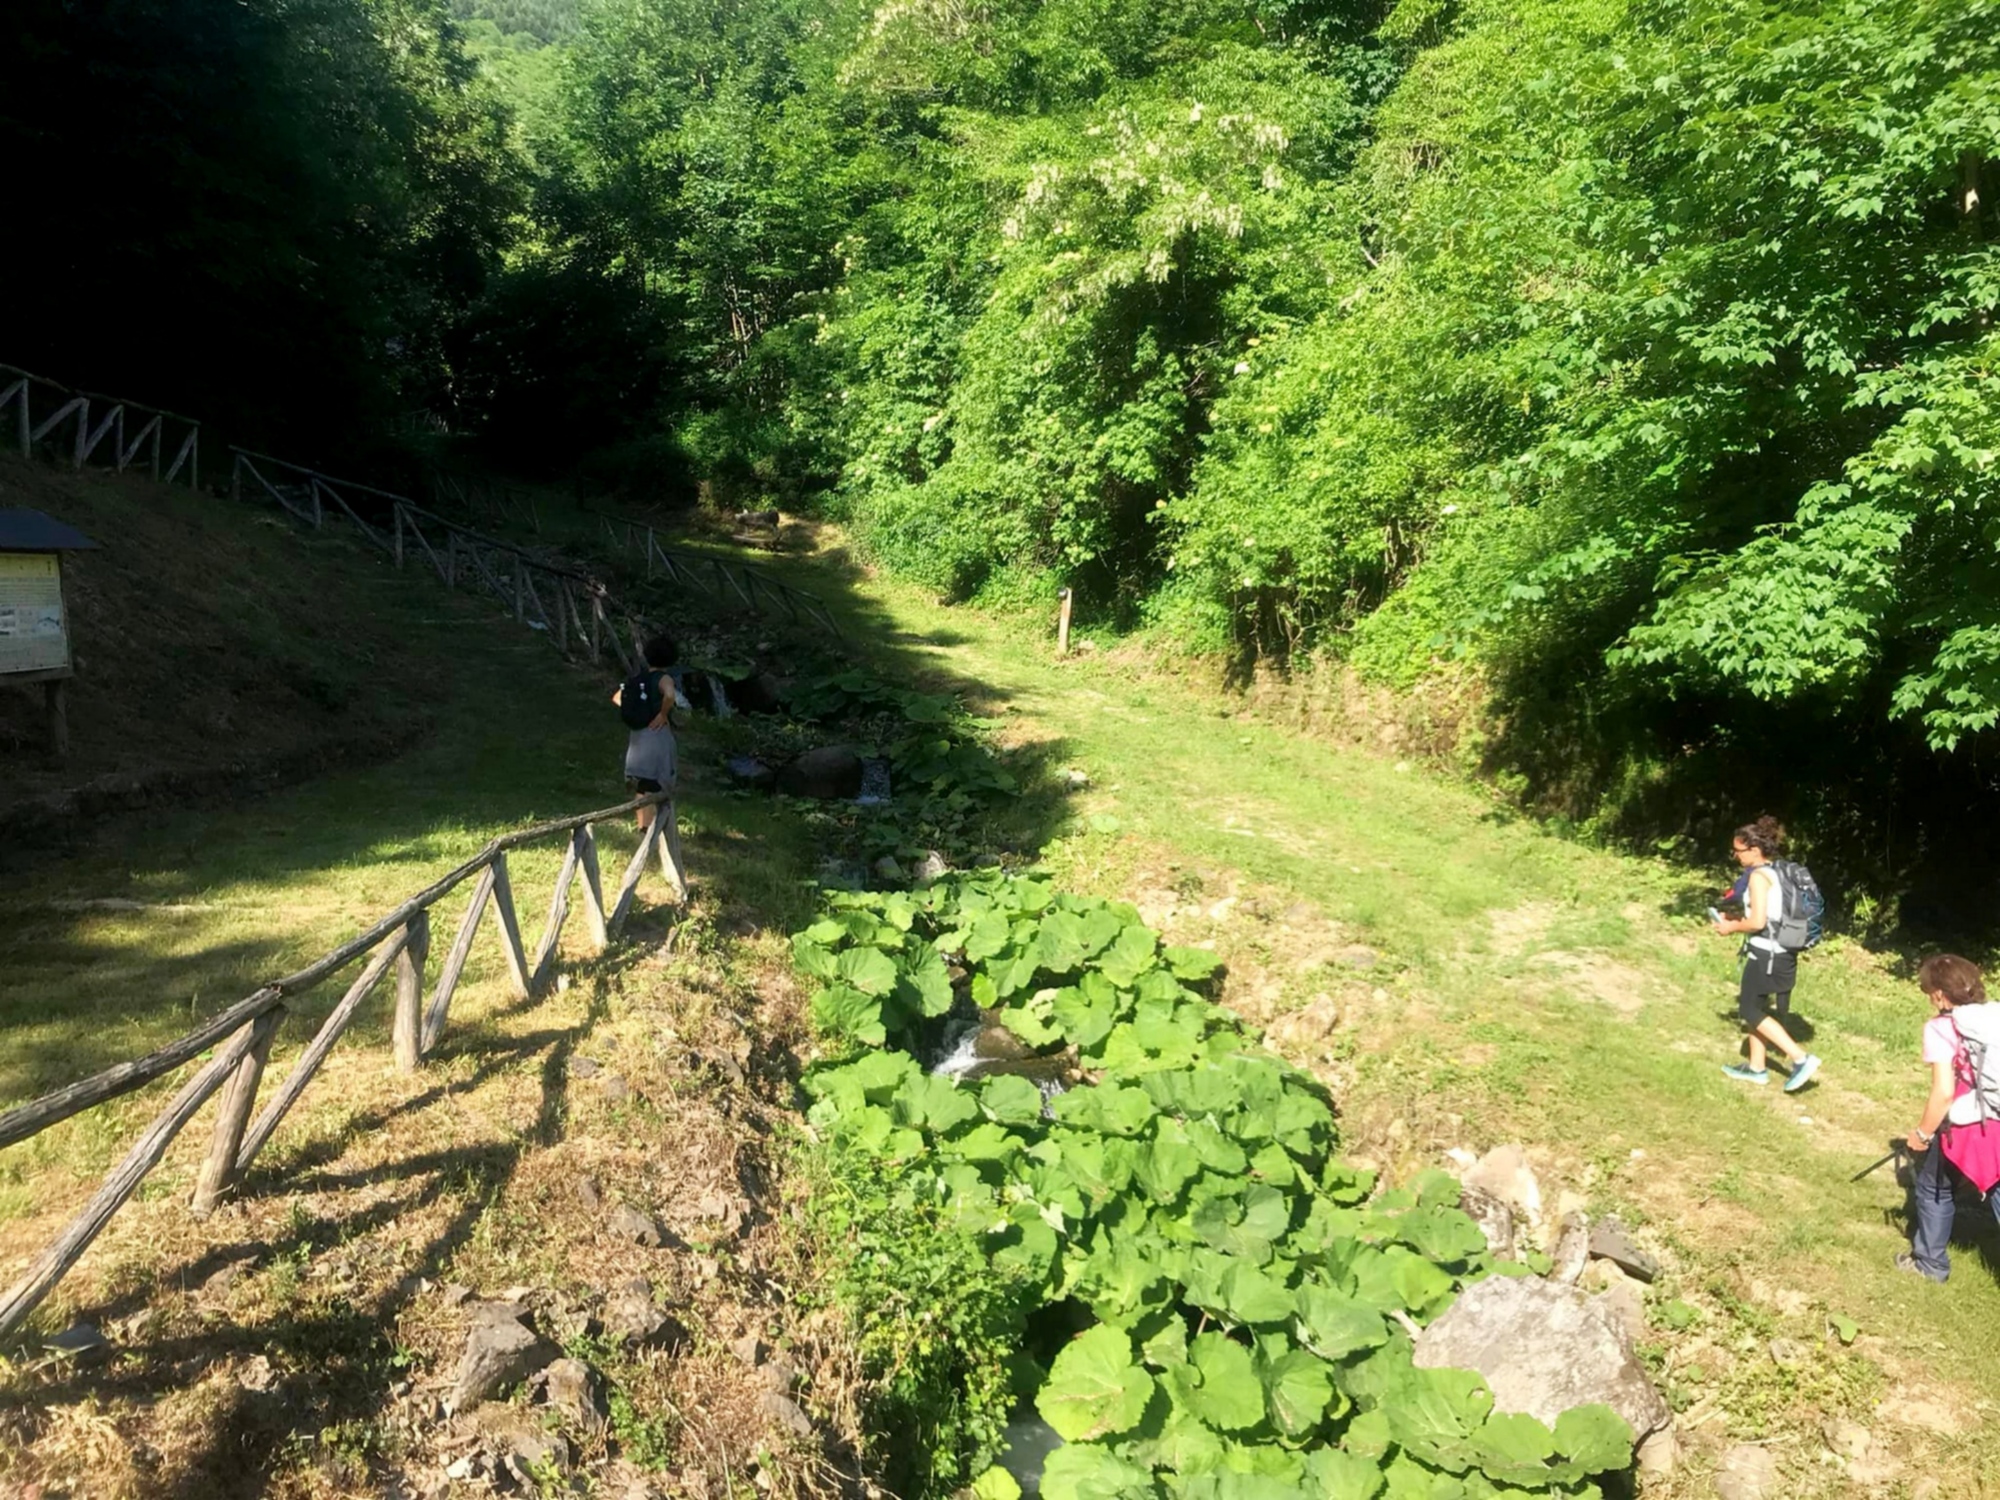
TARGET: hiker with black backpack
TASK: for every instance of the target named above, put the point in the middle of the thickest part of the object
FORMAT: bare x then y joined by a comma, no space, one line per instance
1958,1134
646,703
1782,907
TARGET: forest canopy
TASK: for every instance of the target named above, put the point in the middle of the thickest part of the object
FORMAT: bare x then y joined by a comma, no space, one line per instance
1628,364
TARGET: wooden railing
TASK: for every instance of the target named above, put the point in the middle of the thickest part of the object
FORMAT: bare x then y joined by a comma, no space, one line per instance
244,1032
713,575
503,502
574,610
131,429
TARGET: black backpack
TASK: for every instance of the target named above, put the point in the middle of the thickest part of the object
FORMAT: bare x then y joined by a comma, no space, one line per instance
640,699
1800,923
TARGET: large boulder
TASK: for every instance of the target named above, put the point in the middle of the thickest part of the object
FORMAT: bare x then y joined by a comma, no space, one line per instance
1543,1348
829,772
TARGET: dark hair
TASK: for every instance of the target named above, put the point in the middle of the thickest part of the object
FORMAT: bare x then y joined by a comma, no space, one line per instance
1955,978
1765,834
661,651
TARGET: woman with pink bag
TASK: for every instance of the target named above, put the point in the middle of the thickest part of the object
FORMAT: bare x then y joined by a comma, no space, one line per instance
1959,1134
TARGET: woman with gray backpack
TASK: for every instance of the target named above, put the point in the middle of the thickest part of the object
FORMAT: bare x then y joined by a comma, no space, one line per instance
1782,907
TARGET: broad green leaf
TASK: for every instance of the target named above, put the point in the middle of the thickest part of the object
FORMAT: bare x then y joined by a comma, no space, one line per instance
996,1484
1393,1278
1257,1297
1335,1474
1112,1108
1217,1151
1166,1163
1219,1383
929,1102
1062,943
1011,1099
1595,1437
1297,1388
926,984
1084,1022
842,1011
1129,955
1094,1389
1442,1234
985,1142
868,970
1121,1283
813,958
1191,963
1167,1344
1084,1471
1515,1438
1334,1325
987,936
1429,1409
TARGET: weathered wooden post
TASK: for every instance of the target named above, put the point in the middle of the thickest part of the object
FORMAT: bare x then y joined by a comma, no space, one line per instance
397,511
1062,624
409,1030
219,1173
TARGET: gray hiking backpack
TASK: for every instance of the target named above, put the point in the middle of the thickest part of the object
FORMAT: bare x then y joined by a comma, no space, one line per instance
1801,916
1978,1028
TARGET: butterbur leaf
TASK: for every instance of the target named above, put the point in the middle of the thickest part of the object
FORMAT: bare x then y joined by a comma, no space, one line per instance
1167,1163
1433,1409
1129,955
842,1011
1333,1325
1515,1438
868,970
1219,1383
1094,1389
812,958
1011,1100
1191,963
1256,1297
930,1102
1335,1474
1595,1438
988,936
1297,1387
996,1484
1084,1471
1062,943
985,1142
1084,1022
1442,1234
926,983
1167,1344
1112,1108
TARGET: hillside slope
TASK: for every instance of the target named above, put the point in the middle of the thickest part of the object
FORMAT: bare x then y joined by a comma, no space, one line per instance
218,646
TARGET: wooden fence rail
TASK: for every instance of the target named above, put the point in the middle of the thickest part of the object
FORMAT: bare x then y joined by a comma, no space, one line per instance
43,407
718,576
400,940
576,612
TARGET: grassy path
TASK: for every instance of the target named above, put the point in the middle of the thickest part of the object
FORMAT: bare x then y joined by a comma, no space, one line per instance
1519,987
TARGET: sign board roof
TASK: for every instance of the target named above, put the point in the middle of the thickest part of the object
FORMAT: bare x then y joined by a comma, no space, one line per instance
31,531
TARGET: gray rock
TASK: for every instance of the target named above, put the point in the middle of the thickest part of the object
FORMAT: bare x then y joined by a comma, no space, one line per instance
1787,1352
1659,1453
1504,1172
1494,1218
830,772
1572,1251
519,1445
931,867
1543,1348
786,1413
585,1067
749,771
637,1227
614,1088
257,1376
81,1343
1609,1241
590,1192
1075,780
569,1386
498,1351
749,1349
634,1320
1747,1472
1358,956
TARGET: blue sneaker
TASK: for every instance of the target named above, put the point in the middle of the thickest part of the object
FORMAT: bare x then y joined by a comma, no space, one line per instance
1802,1074
1748,1075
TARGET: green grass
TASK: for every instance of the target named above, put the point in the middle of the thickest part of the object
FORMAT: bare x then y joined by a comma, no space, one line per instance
1476,1041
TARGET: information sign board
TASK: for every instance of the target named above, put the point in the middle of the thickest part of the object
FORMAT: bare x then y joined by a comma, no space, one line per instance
33,634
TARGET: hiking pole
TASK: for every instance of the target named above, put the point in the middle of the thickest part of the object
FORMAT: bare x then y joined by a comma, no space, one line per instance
1894,1151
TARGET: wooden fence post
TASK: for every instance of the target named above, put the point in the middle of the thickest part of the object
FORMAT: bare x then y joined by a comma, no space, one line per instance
585,841
510,926
48,1267
1062,624
397,510
641,857
409,1031
545,950
454,962
670,852
219,1172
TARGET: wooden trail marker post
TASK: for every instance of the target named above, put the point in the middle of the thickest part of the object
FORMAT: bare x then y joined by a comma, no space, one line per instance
1062,624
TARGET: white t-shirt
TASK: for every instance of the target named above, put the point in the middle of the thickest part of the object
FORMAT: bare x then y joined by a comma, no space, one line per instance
1774,907
1941,1046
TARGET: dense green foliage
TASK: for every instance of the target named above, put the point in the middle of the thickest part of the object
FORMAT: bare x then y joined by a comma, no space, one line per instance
1633,356
1202,1300
275,213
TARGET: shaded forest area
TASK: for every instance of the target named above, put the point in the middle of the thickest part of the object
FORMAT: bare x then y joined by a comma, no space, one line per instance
1624,368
